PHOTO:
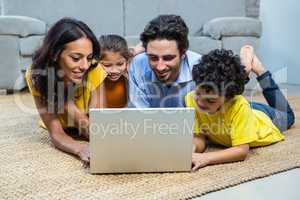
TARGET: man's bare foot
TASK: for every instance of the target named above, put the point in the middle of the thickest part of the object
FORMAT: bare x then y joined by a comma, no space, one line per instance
257,66
247,55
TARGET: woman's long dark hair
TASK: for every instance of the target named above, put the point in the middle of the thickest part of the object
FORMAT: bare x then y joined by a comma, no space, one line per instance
45,69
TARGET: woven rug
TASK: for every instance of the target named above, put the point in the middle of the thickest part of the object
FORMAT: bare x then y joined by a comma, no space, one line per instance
31,168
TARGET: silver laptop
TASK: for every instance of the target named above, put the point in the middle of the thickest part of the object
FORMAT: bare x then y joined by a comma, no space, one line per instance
130,140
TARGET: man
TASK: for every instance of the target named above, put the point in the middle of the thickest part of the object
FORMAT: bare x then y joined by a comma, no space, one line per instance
162,75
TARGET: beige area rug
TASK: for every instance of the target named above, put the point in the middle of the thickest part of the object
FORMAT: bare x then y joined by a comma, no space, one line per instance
31,168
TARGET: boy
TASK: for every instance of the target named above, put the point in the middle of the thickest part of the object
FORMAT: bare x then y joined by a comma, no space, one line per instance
225,117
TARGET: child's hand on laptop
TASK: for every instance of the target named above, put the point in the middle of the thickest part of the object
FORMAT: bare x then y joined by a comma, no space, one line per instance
199,160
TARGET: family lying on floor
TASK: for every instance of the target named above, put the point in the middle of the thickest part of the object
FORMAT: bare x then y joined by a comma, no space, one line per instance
72,71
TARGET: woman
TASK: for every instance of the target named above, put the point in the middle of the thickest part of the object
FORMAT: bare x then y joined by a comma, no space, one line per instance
64,80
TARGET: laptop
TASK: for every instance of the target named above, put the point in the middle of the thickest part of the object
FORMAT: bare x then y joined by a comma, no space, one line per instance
132,140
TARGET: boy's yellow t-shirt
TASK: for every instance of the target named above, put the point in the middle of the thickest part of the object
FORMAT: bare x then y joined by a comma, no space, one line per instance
82,94
236,123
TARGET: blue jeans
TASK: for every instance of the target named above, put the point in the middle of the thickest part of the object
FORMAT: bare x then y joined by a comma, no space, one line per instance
278,109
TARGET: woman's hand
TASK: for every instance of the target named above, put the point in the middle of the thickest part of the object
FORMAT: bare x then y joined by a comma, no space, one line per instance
200,160
84,153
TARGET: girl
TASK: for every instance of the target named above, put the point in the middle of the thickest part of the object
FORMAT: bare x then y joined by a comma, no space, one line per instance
64,80
115,57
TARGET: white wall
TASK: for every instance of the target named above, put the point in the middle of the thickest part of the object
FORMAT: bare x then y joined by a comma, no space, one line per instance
280,42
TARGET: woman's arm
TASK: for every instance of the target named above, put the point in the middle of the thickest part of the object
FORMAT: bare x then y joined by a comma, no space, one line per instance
58,136
232,154
79,118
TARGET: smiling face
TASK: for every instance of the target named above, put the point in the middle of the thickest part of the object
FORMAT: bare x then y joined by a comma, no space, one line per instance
114,64
76,59
208,102
165,59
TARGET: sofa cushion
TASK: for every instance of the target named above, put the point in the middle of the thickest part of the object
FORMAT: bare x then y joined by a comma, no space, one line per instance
138,13
21,26
102,16
9,61
28,45
203,44
132,40
235,43
25,62
232,26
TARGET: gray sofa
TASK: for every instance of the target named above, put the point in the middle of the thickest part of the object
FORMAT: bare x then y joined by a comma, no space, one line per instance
213,24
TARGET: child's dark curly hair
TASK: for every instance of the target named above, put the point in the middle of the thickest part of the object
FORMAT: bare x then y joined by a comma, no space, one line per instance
221,70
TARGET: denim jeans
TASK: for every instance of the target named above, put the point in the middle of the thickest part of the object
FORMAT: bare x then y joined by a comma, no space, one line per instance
278,109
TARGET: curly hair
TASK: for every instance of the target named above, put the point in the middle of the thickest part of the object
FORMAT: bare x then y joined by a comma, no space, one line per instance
221,70
170,27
